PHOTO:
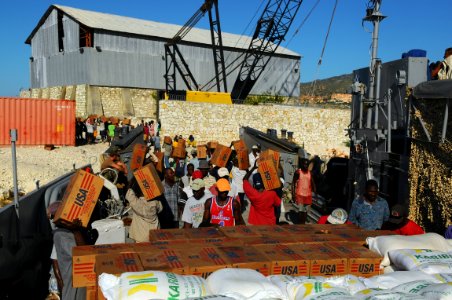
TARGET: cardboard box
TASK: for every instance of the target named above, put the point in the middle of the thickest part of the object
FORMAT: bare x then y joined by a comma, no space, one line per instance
269,240
138,155
269,174
84,259
237,232
325,261
360,260
80,198
270,154
284,260
126,121
201,151
149,181
179,152
240,146
118,263
164,260
168,235
91,293
159,164
215,242
243,160
246,257
268,230
360,236
203,261
297,229
168,140
221,155
312,238
161,245
203,233
212,144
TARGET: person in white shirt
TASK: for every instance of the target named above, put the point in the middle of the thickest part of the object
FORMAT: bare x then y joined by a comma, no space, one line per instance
194,207
253,156
237,183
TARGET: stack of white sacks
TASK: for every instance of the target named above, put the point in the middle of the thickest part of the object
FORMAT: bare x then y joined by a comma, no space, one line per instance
416,267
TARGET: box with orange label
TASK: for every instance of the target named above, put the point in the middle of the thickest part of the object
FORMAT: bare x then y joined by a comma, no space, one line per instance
285,261
237,232
203,261
246,257
270,154
159,245
80,198
312,238
91,293
221,156
325,261
269,174
203,233
268,230
138,155
168,235
239,145
215,242
201,151
212,144
84,259
149,181
268,240
164,260
118,263
159,164
361,261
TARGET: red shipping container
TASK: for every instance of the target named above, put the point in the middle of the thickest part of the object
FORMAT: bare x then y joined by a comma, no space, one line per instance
38,121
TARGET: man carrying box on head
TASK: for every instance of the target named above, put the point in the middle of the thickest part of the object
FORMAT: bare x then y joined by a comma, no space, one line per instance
222,210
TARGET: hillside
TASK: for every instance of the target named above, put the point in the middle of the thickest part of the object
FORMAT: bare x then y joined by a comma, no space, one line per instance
325,88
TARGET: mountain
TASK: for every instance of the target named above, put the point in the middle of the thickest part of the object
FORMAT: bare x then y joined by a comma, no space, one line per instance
325,88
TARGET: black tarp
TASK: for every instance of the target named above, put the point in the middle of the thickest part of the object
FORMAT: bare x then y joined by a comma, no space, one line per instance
434,89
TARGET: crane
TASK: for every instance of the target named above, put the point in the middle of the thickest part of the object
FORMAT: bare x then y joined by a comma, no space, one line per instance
174,61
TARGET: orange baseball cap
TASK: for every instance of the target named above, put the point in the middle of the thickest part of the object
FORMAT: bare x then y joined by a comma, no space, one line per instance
223,185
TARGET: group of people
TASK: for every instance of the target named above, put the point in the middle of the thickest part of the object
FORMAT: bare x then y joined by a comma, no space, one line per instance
99,130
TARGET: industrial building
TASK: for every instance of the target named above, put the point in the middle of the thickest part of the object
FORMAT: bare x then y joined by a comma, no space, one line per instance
71,46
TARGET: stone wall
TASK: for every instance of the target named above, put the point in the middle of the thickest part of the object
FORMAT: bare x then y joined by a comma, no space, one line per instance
318,129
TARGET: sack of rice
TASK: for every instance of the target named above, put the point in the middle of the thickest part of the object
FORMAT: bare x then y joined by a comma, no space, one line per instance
428,261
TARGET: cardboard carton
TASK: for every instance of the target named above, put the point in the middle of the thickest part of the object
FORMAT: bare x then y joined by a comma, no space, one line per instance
138,155
179,152
325,261
201,151
203,261
164,260
91,293
360,236
237,232
361,261
284,260
126,121
246,257
159,164
221,156
212,144
203,233
168,140
79,198
270,154
268,230
269,240
118,263
269,174
84,259
312,238
149,181
168,235
243,159
239,146
160,245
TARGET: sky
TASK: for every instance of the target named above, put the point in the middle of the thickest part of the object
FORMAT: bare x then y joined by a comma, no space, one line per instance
410,24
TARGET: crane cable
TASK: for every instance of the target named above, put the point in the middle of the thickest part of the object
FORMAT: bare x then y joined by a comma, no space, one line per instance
323,49
302,23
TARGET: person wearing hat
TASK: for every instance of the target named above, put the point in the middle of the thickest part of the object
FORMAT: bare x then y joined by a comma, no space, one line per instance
337,216
204,167
263,202
222,210
194,207
302,188
399,222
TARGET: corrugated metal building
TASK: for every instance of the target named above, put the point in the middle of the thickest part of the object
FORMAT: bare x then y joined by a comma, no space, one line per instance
72,46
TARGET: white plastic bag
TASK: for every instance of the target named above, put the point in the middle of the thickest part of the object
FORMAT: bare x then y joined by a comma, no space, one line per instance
243,284
428,261
152,285
391,280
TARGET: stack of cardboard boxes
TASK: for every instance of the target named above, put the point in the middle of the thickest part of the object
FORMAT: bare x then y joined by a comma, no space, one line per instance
297,250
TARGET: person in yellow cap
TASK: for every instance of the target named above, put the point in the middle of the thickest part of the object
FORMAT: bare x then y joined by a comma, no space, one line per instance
222,210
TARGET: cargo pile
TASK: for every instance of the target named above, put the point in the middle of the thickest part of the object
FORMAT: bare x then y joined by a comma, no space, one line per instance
298,250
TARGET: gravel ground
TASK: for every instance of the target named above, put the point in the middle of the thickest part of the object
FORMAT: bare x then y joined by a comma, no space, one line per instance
36,163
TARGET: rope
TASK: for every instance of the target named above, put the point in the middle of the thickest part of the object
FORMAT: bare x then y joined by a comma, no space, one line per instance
302,23
323,49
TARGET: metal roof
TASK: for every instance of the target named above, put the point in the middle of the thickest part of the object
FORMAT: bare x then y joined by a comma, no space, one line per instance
115,23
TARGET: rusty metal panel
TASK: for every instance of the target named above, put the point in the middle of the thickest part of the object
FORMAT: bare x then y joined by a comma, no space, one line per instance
38,121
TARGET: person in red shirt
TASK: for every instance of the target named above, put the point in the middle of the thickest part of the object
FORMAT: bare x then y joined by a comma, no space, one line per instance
337,216
302,188
399,222
263,202
222,210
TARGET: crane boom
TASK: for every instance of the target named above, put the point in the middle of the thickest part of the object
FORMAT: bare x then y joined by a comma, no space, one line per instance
271,29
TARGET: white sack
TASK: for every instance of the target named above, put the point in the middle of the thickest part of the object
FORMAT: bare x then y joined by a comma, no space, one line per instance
383,244
428,261
152,285
243,284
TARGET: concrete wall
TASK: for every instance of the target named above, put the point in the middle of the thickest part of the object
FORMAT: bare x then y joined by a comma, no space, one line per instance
318,129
